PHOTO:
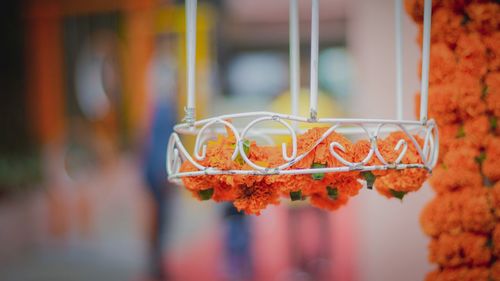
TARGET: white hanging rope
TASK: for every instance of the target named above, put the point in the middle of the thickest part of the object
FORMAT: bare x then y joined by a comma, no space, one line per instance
191,59
399,60
313,102
426,46
294,57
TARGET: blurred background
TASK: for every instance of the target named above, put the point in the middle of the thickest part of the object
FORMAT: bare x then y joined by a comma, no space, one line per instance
90,90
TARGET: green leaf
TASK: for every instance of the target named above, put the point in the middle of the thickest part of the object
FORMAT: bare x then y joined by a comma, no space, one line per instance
489,243
296,195
493,123
318,176
484,91
398,194
206,194
465,19
369,178
333,192
480,158
246,149
487,182
461,132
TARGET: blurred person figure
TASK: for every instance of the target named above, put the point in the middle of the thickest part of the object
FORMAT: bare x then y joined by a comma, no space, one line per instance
309,243
238,262
163,117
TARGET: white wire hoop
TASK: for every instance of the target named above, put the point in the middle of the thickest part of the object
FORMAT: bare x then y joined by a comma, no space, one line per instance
371,129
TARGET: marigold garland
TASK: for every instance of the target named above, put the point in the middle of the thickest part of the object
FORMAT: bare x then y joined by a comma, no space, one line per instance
329,191
464,99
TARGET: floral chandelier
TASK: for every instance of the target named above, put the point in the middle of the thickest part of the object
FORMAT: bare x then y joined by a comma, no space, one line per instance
235,158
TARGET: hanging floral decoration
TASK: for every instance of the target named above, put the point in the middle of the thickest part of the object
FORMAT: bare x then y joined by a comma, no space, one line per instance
464,100
253,193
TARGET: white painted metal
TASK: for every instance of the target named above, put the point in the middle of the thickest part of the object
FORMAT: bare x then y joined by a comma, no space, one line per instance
399,58
294,57
428,152
313,102
426,49
191,59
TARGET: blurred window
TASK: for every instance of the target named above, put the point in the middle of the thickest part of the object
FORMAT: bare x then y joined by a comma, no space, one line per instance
335,72
263,74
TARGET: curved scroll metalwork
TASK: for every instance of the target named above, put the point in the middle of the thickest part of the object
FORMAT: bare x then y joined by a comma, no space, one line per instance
370,129
198,141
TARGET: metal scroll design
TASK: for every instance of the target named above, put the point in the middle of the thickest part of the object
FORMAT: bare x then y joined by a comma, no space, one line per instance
428,152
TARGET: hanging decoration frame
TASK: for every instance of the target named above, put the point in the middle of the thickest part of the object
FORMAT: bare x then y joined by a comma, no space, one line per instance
371,129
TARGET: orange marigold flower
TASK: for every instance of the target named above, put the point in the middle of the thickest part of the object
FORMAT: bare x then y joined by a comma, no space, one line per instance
447,179
219,153
495,195
492,92
456,212
406,180
495,271
384,190
483,17
496,241
196,182
465,249
447,138
443,64
471,54
267,156
254,199
492,81
463,159
444,105
476,130
348,154
327,203
469,96
492,43
304,183
415,8
441,215
321,153
347,185
465,273
225,192
361,150
491,164
475,210
455,5
446,27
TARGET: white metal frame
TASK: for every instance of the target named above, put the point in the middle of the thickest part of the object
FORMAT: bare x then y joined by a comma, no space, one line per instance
371,129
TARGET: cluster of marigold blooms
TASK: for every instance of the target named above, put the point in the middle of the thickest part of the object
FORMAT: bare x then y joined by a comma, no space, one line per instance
253,193
464,99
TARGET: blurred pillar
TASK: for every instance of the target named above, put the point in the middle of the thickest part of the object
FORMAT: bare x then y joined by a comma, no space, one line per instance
44,64
139,32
